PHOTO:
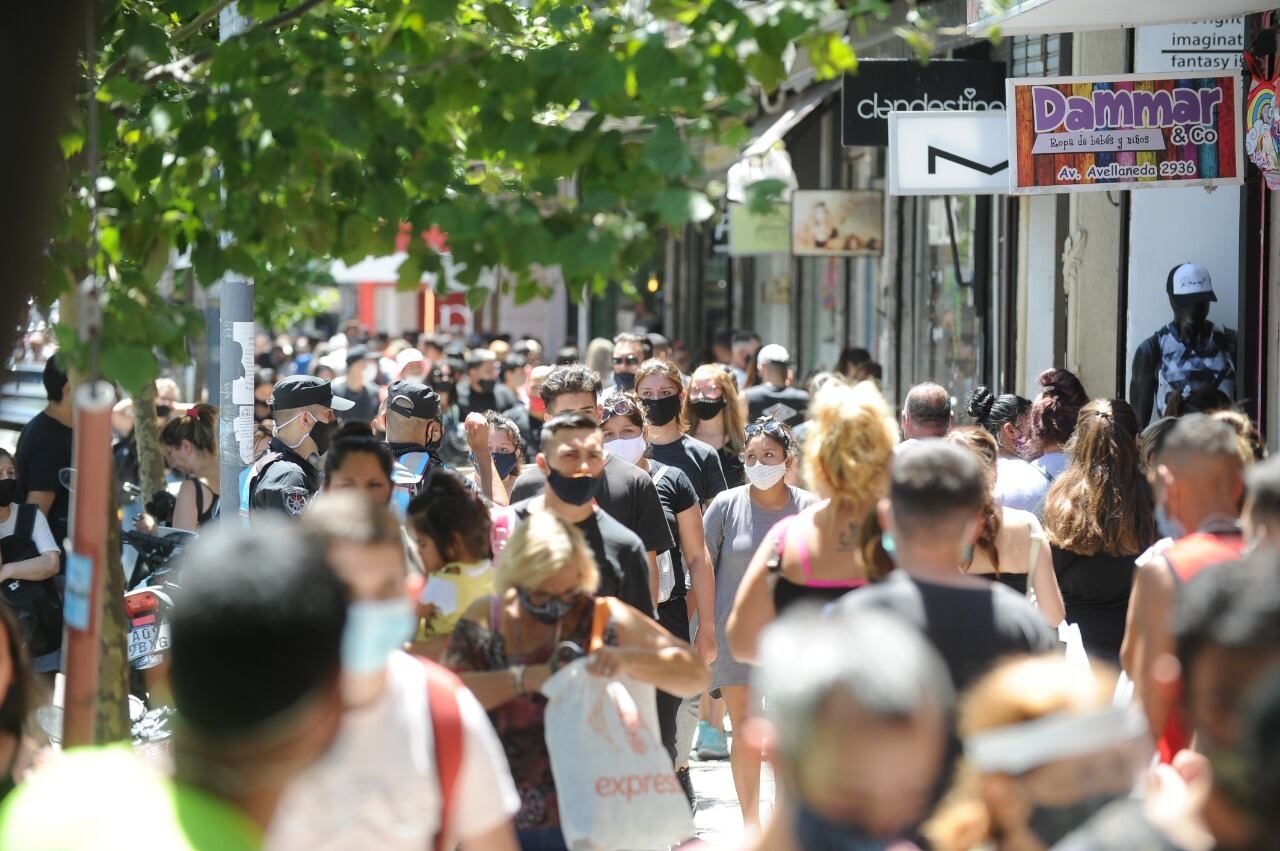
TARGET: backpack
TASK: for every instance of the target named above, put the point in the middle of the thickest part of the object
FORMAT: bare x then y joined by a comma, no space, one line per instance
38,604
447,730
406,479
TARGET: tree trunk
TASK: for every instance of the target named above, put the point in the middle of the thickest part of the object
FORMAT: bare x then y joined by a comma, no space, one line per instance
147,433
112,722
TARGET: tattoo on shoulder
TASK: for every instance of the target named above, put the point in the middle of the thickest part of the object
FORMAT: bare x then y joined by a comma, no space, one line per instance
848,537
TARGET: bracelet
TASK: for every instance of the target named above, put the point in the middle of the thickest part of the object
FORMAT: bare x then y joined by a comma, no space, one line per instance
517,678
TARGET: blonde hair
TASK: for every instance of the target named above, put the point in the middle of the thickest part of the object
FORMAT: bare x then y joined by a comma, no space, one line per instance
850,443
734,425
540,547
1016,691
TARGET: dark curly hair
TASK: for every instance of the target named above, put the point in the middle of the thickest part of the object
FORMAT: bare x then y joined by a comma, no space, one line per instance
451,515
1056,409
992,412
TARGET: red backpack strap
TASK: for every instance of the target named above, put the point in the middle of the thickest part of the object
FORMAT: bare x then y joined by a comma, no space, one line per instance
446,729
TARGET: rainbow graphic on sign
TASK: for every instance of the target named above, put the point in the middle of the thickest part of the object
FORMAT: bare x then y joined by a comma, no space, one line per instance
1262,130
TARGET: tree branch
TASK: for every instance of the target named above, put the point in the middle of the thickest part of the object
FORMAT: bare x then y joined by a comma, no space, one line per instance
290,14
200,20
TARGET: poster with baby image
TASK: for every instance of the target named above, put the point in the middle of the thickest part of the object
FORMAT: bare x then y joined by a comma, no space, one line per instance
837,224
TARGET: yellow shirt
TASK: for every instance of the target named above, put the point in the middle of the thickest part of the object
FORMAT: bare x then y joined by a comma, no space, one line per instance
452,590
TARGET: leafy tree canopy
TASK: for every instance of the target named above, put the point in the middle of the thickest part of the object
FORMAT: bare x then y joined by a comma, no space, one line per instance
532,132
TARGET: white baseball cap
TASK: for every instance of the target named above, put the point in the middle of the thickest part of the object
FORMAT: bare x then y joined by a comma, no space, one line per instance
772,353
1189,283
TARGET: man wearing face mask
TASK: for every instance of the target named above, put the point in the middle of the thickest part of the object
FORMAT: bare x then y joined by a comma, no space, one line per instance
530,417
629,351
857,740
932,519
359,386
1188,354
415,432
572,460
416,764
288,475
1199,485
482,392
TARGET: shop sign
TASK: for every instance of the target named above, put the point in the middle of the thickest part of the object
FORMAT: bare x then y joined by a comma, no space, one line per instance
1138,131
882,86
831,223
1201,46
753,233
948,153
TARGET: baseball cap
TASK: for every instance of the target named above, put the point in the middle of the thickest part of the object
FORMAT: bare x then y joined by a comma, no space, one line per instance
355,354
299,391
773,353
1189,283
407,357
413,399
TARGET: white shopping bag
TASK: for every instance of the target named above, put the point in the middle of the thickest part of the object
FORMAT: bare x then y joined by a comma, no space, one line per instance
1069,635
615,783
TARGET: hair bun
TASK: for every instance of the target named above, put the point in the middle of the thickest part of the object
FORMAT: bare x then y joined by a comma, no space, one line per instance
980,403
1063,384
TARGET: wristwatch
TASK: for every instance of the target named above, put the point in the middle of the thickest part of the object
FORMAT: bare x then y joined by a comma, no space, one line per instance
517,678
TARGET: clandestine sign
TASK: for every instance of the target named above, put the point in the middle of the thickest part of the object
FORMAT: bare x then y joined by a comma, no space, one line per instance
1080,134
882,86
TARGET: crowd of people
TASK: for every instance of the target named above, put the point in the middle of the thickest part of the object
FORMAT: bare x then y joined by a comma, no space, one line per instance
990,623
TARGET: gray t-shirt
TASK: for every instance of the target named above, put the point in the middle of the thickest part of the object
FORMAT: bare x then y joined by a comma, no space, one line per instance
735,527
971,626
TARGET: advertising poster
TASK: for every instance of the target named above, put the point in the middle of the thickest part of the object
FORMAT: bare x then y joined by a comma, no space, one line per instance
1080,134
837,224
751,233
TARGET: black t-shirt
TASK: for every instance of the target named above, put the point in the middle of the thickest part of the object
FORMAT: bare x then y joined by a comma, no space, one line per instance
677,494
366,398
785,404
626,494
44,450
697,460
620,558
970,627
735,472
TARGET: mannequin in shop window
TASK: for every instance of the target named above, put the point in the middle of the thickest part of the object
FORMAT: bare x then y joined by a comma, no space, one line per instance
1188,356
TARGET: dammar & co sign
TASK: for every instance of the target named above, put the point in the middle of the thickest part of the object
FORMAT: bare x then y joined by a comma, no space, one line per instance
1077,134
882,86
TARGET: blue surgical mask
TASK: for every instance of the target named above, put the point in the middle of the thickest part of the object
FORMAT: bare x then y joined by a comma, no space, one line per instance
374,629
815,833
1168,526
505,462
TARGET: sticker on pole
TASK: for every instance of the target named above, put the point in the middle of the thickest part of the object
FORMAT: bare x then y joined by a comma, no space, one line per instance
79,589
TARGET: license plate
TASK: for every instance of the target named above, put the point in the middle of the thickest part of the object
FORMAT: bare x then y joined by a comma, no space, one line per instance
147,640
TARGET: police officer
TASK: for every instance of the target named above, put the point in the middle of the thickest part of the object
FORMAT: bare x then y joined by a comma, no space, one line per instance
288,475
414,435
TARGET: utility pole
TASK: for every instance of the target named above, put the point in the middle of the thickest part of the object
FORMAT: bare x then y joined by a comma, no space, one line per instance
235,334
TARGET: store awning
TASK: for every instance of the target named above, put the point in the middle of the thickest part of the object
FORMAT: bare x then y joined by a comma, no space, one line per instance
1032,17
767,132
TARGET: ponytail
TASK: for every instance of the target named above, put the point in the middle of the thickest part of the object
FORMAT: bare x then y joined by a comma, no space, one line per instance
199,425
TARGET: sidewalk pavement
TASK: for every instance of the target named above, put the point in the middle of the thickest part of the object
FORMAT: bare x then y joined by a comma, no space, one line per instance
718,817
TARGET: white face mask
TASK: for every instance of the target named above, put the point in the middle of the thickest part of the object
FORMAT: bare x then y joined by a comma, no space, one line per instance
275,432
629,449
763,476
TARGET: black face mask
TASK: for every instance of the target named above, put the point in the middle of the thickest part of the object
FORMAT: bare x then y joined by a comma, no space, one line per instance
624,380
163,411
662,411
1052,824
485,386
707,409
8,490
576,490
505,462
322,434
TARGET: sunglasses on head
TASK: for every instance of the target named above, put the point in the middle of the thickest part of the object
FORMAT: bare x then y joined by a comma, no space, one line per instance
618,407
629,360
770,427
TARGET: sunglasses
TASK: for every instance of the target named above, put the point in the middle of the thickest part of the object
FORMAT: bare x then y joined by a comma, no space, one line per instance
629,360
772,428
617,407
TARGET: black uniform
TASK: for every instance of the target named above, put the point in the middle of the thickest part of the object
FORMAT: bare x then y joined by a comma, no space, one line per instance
282,480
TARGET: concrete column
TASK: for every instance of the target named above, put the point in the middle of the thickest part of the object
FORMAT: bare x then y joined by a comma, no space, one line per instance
1091,254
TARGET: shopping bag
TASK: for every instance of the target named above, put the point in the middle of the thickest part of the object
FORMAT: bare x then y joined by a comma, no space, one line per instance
1069,635
615,783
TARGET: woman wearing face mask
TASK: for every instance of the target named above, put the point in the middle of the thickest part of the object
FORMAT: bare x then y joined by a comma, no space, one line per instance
661,390
1012,548
818,554
378,786
506,447
714,411
451,528
502,646
190,447
1007,418
624,435
1045,750
736,524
